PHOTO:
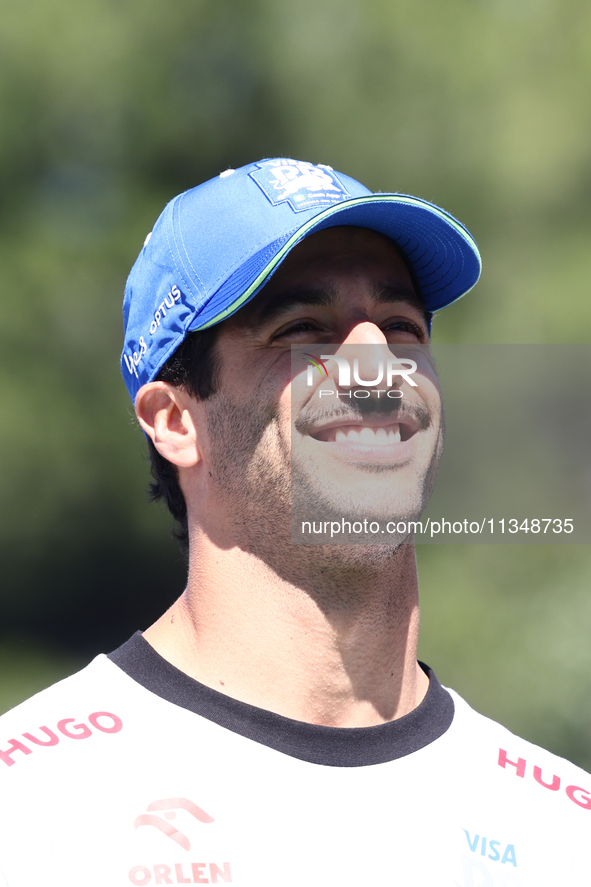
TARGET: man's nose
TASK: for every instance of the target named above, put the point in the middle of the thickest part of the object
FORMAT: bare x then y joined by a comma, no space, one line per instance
367,352
365,333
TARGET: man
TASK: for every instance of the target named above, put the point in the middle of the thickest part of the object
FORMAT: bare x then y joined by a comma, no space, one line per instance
274,726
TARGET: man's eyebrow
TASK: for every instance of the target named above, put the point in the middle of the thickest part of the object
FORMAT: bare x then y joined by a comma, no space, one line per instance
386,293
283,303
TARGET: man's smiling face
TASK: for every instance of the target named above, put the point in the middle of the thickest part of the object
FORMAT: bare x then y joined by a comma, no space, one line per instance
341,286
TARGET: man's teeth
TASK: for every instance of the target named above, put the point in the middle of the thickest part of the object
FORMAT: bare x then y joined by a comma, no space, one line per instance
369,436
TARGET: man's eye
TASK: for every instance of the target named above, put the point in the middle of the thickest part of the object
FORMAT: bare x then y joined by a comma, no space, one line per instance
294,329
404,327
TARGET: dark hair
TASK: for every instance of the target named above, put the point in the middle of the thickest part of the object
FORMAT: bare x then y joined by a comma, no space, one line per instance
193,367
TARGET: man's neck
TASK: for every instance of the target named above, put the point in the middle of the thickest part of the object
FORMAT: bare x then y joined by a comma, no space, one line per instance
322,643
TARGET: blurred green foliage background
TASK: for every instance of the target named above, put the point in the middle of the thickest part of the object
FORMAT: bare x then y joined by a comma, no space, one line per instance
108,109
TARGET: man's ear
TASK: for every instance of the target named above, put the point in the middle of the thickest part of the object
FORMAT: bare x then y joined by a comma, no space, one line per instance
165,415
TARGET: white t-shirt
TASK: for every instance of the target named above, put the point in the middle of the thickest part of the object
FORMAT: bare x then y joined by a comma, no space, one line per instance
130,772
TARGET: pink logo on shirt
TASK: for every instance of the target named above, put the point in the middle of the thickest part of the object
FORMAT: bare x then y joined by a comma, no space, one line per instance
168,806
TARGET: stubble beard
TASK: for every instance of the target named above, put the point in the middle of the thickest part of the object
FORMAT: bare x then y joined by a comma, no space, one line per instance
310,506
250,468
254,473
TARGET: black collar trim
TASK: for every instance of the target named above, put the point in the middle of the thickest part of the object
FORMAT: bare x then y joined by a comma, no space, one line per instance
330,746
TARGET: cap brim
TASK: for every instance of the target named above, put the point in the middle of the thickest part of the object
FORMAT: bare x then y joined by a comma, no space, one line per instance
442,252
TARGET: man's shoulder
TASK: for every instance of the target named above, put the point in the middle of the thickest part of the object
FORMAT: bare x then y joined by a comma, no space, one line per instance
98,686
75,687
80,706
498,757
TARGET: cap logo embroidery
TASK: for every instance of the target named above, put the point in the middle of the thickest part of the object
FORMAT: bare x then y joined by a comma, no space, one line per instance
299,184
133,360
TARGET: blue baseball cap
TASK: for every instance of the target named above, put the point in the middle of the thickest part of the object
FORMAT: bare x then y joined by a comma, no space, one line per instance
215,246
